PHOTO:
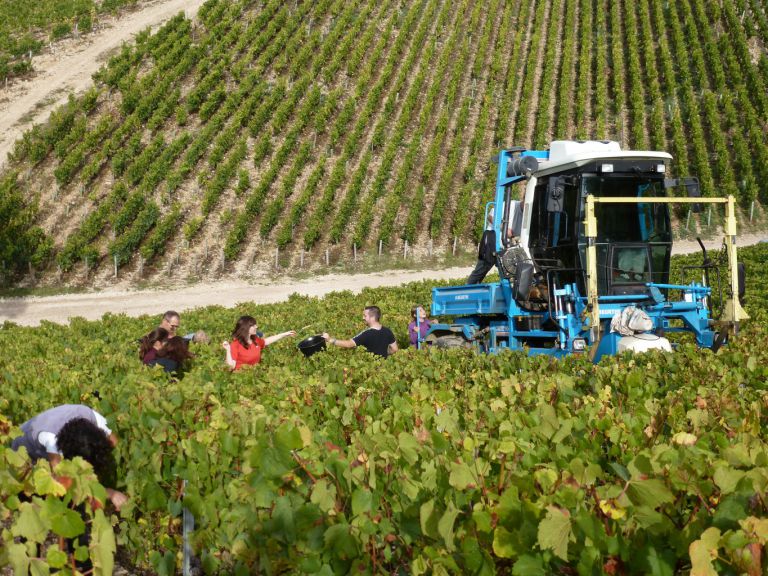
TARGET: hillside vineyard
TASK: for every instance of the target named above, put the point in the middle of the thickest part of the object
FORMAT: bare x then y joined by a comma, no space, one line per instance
429,462
351,125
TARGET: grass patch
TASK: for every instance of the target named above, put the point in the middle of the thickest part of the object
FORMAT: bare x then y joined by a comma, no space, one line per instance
16,292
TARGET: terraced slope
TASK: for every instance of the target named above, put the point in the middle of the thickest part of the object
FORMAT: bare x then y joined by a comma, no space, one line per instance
357,125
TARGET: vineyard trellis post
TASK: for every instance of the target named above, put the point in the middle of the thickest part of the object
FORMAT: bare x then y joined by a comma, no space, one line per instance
454,245
751,210
115,260
327,257
188,526
429,248
277,257
688,220
141,265
86,266
380,247
405,250
301,258
709,215
354,252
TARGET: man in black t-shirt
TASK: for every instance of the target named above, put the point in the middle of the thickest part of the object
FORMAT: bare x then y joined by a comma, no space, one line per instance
377,339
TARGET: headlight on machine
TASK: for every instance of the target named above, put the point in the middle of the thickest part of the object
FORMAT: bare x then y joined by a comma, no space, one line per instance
579,344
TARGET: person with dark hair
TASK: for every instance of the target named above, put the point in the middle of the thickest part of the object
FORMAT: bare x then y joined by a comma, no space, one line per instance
419,326
173,355
73,430
151,344
376,339
246,346
171,322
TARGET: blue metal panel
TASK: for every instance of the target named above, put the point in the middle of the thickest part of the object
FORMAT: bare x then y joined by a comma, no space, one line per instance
470,299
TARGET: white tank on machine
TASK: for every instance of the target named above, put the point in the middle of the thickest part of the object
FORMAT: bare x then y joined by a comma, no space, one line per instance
643,343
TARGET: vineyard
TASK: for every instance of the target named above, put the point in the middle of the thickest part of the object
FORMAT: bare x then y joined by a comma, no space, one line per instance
441,462
26,26
272,128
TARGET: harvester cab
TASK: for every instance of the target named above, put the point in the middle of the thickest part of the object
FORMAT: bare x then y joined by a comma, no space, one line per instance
583,245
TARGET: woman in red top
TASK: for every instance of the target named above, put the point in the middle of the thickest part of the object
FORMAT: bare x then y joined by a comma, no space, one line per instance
246,346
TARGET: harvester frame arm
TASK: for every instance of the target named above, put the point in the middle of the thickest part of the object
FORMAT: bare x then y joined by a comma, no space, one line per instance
733,311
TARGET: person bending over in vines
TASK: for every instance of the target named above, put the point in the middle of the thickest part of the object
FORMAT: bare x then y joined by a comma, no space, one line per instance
71,430
67,431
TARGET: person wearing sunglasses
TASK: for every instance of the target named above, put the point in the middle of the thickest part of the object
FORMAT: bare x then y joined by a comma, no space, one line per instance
172,321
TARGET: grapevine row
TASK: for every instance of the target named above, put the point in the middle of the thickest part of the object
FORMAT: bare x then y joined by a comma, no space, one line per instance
335,132
584,82
421,15
462,209
397,196
542,119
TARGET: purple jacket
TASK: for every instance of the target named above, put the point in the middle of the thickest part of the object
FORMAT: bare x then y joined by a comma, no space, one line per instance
413,334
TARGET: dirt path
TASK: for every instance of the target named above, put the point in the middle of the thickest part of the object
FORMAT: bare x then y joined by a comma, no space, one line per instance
70,65
30,311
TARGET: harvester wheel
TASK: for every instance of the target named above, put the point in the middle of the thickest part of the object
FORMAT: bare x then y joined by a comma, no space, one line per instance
720,338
